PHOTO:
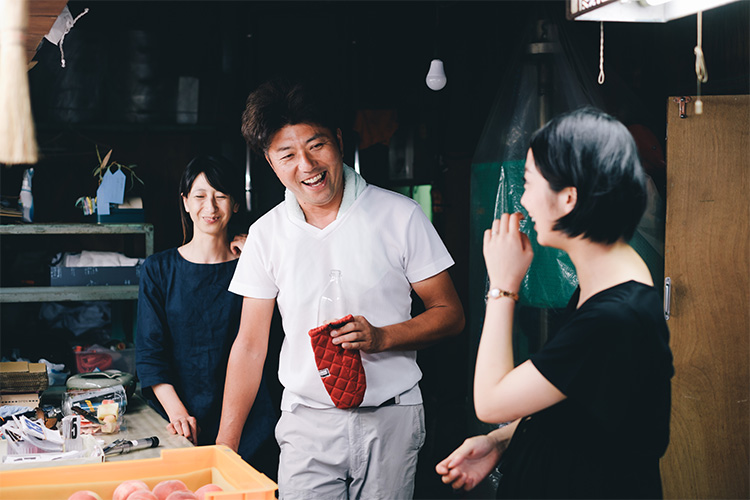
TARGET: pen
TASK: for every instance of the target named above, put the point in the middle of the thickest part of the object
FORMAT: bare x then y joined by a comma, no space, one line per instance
127,445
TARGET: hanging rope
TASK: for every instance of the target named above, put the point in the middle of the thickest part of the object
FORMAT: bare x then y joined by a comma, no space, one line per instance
701,73
62,54
700,63
601,53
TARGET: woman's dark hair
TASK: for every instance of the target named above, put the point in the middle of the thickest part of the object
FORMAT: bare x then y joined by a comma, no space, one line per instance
278,103
593,152
219,172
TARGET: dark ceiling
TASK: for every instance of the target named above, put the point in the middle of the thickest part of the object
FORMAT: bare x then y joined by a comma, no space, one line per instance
125,59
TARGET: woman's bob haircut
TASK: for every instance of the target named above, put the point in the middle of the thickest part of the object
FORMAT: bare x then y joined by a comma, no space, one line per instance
220,174
591,151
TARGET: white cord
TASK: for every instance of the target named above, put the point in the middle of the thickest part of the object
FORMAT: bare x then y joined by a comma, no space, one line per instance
700,63
62,54
701,73
601,53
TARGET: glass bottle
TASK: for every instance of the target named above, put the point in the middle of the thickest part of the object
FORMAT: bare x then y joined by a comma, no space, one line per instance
332,304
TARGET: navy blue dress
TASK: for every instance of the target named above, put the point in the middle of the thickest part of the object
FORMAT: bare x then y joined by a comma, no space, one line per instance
187,322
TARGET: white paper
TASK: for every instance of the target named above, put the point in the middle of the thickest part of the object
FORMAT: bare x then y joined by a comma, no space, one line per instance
62,25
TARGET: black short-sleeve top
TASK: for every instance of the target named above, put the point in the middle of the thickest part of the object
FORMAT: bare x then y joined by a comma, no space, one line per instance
611,358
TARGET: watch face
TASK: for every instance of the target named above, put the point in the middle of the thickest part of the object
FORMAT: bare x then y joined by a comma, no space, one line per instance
496,293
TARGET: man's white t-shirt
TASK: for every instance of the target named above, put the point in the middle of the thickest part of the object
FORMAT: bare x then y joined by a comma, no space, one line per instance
382,243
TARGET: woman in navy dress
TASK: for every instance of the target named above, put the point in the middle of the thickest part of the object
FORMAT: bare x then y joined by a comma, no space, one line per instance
187,319
587,416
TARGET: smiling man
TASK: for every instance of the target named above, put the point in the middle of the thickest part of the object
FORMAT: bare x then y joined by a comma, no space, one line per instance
385,247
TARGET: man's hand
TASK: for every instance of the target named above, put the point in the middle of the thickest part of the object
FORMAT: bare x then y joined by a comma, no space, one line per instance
359,334
185,426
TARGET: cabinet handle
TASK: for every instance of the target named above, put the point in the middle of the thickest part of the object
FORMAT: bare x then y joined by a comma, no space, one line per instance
667,296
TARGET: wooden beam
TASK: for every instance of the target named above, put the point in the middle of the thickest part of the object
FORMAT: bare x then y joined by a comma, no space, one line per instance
42,15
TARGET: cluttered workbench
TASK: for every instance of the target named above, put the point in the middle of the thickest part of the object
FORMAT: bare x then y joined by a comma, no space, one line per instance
175,458
140,422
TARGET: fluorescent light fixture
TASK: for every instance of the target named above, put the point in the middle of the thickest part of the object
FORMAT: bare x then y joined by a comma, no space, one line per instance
638,11
653,2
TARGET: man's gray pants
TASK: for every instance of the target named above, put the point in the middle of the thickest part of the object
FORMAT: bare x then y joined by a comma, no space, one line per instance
363,453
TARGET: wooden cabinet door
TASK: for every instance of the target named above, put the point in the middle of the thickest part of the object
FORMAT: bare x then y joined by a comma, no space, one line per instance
706,259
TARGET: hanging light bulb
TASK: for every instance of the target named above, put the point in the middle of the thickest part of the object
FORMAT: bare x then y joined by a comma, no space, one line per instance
436,78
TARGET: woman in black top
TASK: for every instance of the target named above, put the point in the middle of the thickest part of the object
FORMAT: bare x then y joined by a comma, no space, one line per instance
588,415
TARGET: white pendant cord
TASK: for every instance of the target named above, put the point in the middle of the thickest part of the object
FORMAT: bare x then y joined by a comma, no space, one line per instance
62,54
701,73
601,53
700,63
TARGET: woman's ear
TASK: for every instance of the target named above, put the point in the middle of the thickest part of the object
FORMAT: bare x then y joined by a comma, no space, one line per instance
236,207
184,203
569,198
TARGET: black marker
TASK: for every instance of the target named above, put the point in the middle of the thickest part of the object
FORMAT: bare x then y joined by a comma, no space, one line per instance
127,445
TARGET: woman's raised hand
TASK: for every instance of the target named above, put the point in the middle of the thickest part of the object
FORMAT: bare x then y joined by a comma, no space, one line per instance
507,252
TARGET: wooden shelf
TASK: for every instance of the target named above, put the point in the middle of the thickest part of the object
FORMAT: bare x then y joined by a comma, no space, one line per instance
63,228
73,293
68,293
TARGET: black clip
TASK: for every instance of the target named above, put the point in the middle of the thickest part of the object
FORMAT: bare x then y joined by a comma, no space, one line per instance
113,445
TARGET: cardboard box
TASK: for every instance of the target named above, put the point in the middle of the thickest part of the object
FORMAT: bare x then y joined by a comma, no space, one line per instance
194,466
94,276
30,399
17,377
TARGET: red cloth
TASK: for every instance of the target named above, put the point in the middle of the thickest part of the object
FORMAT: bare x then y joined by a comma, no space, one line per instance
340,369
89,361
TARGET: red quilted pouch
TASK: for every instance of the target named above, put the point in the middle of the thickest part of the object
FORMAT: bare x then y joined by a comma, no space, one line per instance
340,369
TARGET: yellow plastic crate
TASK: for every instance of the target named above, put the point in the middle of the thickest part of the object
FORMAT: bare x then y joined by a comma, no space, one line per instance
194,466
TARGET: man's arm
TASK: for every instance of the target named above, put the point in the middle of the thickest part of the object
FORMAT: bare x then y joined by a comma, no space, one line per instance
245,369
443,317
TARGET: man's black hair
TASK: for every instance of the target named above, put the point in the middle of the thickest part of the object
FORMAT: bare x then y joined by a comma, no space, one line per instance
278,103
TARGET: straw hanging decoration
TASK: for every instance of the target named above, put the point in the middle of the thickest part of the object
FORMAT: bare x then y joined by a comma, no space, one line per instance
17,140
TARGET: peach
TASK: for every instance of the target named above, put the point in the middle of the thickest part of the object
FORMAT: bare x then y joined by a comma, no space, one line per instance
142,495
201,492
182,495
164,488
125,488
85,495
